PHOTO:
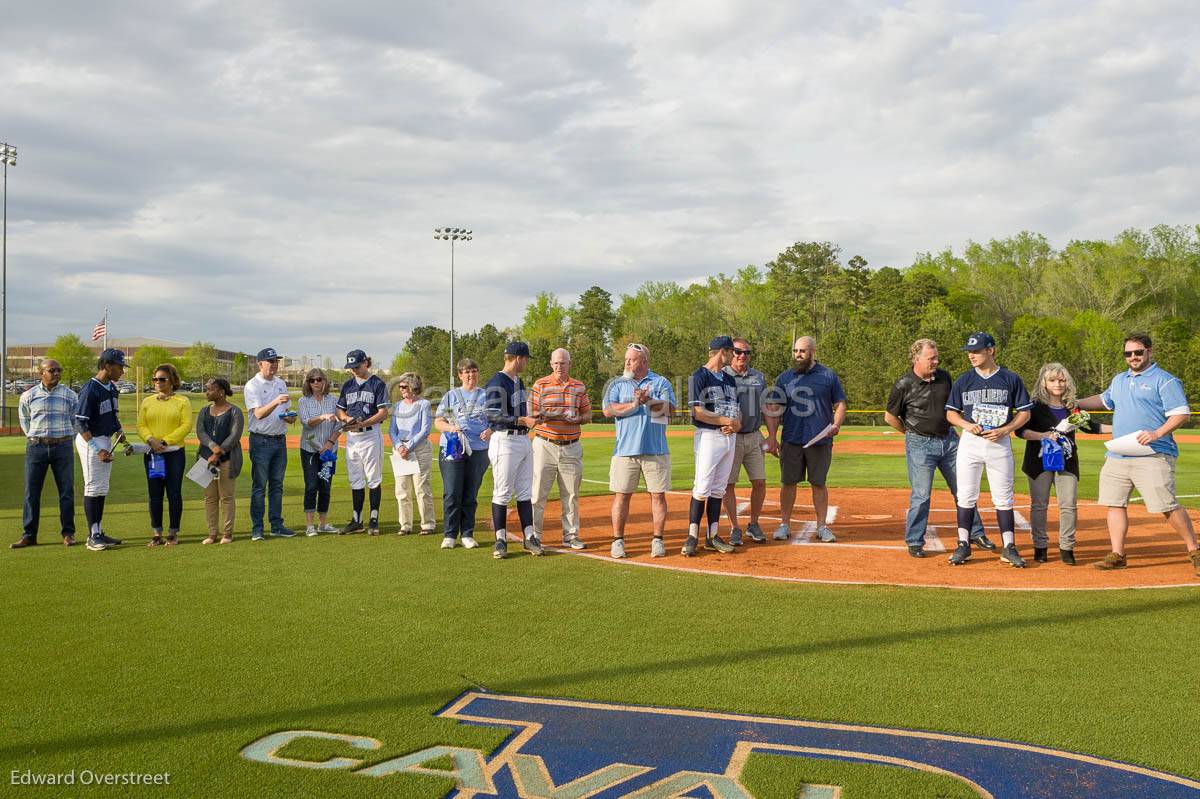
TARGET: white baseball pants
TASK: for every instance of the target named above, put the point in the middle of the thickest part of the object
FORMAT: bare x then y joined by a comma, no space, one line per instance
512,467
364,458
975,454
96,472
713,451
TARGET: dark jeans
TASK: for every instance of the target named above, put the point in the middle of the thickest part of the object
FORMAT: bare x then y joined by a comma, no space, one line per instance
172,484
460,491
39,458
316,490
268,465
925,456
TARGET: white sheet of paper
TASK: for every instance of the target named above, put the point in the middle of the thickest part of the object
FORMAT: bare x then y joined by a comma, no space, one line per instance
199,473
820,436
1128,445
142,449
403,466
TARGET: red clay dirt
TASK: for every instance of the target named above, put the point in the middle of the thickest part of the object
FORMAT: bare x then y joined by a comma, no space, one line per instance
870,547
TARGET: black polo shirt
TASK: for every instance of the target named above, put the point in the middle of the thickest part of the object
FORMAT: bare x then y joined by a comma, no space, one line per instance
921,404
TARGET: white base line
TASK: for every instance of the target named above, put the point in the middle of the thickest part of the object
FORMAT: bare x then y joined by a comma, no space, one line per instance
933,542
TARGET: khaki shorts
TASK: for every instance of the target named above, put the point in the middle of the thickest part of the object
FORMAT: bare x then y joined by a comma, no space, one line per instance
1153,476
624,471
796,464
747,451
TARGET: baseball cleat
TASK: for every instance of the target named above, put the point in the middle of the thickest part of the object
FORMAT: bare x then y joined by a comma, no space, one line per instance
735,536
95,544
500,550
1111,561
1067,556
825,535
689,547
373,530
715,544
983,542
961,554
782,533
352,527
1039,554
755,533
1010,555
917,551
574,542
532,545
448,543
657,548
618,548
468,542
112,542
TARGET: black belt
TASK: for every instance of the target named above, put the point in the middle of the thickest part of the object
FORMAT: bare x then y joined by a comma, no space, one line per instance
515,431
362,429
555,441
47,441
268,435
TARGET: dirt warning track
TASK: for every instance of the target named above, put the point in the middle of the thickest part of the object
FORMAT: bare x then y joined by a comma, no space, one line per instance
869,524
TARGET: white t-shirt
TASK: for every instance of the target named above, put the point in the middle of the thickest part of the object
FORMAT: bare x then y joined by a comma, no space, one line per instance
260,392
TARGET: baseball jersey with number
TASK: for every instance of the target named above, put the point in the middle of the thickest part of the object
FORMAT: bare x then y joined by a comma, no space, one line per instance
96,411
991,401
506,401
362,400
715,392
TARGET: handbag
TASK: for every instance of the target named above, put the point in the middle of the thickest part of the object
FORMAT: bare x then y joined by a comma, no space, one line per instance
1053,455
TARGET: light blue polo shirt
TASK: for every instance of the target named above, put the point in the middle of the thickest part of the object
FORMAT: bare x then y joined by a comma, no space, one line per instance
636,434
1143,401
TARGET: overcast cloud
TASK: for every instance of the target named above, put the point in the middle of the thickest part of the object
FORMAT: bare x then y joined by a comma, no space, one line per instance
270,173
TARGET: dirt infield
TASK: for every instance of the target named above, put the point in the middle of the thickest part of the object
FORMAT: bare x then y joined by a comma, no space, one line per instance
869,524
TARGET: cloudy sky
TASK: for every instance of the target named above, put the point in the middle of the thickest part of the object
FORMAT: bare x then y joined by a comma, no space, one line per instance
270,172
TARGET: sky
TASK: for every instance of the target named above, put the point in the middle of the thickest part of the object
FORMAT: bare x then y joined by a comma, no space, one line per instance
270,173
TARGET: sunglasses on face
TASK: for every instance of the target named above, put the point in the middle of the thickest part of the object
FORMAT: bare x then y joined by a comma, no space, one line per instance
736,351
160,379
1134,353
316,380
54,371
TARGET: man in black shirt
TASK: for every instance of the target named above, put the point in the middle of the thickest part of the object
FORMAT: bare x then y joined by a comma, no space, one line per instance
916,407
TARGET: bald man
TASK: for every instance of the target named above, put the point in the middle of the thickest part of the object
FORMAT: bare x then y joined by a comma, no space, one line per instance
561,404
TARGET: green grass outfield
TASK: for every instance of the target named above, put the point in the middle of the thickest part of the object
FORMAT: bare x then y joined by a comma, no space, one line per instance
173,660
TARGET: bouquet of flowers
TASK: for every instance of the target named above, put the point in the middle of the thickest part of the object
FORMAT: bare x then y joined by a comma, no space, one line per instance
1079,418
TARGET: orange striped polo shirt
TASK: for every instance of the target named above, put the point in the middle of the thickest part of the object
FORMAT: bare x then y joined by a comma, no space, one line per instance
556,399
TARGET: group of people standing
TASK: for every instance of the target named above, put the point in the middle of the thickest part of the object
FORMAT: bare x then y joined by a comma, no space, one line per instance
531,441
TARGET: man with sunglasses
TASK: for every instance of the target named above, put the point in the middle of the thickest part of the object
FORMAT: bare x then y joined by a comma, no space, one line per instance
748,443
1150,402
47,416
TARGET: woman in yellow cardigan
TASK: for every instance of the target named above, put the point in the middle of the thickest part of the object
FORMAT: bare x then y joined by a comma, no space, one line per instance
164,420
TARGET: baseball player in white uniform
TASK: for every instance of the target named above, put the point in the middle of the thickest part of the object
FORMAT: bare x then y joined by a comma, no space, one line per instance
988,403
362,408
510,450
713,398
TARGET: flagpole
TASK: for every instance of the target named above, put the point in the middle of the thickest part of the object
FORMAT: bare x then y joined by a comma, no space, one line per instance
105,330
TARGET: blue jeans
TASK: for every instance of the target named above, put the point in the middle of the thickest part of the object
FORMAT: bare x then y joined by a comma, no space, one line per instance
926,455
40,458
268,465
460,491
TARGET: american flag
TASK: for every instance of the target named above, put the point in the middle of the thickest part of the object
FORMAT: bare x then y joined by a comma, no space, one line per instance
100,330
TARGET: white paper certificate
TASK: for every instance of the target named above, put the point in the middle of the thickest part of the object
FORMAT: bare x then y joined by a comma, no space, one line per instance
199,473
1128,445
403,466
820,436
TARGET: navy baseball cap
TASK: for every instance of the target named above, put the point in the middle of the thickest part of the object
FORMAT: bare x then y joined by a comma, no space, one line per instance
517,348
354,358
268,354
111,355
979,341
721,343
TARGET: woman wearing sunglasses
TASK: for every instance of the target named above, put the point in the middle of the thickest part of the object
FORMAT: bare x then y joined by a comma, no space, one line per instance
318,420
164,421
412,420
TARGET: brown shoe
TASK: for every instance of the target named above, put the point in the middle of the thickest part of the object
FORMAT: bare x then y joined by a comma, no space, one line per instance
1111,561
68,540
23,542
1195,556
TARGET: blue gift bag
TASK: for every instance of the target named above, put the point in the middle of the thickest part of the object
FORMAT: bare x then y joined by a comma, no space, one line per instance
1053,455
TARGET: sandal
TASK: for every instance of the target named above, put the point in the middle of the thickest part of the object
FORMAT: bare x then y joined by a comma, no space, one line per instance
156,540
172,539
226,539
212,539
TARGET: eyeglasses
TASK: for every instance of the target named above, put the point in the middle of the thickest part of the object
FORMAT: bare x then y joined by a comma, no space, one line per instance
405,385
54,371
736,351
160,379
1134,353
316,380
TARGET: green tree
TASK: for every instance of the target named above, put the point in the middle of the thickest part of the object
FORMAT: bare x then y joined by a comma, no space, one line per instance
76,359
544,329
1100,342
148,359
589,333
200,361
1038,340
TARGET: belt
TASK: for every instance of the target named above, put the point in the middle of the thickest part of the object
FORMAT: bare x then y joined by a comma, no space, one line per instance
362,429
515,431
47,440
268,435
556,442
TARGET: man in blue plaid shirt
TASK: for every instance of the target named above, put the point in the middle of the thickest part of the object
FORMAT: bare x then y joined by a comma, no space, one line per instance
47,415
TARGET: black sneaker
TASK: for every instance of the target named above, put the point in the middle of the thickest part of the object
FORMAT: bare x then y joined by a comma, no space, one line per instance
352,527
112,542
1067,556
500,550
917,551
961,554
1010,555
532,545
689,547
283,532
715,544
1039,554
982,542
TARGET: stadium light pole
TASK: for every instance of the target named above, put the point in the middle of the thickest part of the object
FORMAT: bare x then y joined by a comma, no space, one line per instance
452,234
8,156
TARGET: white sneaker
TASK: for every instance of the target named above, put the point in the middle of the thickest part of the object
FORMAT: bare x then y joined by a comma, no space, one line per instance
310,531
327,528
657,548
783,533
826,535
618,548
449,543
469,542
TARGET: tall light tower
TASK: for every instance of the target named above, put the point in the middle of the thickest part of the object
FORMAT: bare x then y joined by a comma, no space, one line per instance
452,234
8,157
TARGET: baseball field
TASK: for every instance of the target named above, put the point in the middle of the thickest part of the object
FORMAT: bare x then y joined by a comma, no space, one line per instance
355,652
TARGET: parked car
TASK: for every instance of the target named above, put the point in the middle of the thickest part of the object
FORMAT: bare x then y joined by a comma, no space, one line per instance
125,387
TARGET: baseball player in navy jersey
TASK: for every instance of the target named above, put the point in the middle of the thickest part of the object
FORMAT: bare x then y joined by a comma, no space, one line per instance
362,408
713,398
99,429
988,403
510,450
